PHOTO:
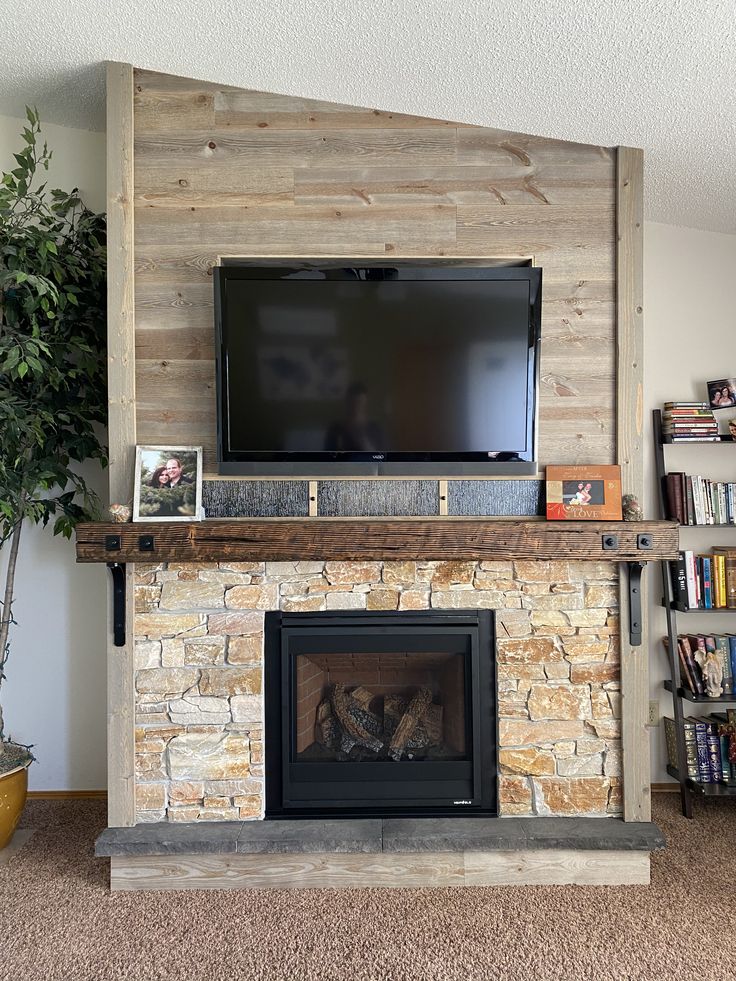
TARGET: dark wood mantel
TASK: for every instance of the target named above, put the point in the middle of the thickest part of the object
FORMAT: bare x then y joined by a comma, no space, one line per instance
374,539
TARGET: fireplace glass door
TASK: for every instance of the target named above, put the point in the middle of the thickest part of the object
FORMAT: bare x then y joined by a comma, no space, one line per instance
380,712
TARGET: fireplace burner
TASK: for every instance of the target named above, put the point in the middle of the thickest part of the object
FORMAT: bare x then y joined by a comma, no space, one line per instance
380,713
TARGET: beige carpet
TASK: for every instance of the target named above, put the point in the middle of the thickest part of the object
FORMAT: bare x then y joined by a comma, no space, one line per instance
58,921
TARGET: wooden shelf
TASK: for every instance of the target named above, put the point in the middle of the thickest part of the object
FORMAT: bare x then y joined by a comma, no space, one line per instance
708,789
374,539
702,699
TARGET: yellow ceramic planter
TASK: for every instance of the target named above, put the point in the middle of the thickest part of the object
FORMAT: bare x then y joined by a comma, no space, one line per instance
13,791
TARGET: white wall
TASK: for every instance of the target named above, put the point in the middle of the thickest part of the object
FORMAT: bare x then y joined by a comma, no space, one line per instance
54,695
690,338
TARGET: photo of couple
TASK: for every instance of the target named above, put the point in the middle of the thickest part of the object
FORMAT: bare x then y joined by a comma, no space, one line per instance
168,483
722,393
582,492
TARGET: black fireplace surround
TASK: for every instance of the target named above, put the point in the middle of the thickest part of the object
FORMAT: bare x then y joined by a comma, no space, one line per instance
381,713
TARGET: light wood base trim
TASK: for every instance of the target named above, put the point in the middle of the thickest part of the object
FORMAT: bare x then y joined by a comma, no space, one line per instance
66,794
419,869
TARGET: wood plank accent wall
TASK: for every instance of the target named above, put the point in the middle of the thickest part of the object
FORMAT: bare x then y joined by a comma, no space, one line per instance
222,171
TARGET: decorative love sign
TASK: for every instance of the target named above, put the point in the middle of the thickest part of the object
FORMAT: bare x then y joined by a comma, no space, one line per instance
583,493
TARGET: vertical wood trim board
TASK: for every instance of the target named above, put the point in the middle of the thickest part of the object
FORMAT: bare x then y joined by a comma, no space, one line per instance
121,425
630,455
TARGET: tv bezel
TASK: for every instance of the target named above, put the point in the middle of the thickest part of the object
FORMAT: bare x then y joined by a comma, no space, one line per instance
325,464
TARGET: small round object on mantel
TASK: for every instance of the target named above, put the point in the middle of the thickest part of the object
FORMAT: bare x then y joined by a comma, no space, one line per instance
120,513
632,510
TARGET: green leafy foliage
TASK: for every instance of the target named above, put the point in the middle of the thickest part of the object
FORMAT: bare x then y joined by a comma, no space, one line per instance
53,401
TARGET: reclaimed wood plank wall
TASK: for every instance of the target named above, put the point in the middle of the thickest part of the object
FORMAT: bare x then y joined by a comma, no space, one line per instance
222,171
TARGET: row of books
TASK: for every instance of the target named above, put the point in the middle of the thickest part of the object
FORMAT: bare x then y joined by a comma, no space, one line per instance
707,747
705,582
696,500
689,422
691,672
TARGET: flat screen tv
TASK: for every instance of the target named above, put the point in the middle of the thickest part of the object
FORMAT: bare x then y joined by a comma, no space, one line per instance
348,367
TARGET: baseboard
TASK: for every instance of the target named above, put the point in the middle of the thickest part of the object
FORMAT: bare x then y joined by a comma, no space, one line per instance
67,794
388,870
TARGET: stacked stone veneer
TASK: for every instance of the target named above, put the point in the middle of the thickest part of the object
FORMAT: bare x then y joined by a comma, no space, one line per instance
199,674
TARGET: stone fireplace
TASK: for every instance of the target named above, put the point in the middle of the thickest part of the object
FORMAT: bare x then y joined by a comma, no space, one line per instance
380,713
200,674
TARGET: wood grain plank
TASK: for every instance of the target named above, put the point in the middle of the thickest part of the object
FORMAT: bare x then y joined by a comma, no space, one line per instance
147,81
590,224
157,112
481,145
121,422
344,147
214,183
507,183
630,456
559,867
385,871
234,230
244,110
376,539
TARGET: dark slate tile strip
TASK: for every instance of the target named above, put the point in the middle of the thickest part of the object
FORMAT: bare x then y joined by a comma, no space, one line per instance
377,498
468,498
255,498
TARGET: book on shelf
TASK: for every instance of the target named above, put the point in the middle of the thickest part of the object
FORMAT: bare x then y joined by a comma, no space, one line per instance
704,582
697,500
729,574
728,769
690,674
707,747
689,421
691,756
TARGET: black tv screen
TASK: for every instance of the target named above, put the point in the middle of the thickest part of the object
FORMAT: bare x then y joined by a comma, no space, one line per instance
376,369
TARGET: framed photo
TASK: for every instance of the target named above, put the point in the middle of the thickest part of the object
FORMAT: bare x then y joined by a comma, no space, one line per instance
583,493
168,483
722,393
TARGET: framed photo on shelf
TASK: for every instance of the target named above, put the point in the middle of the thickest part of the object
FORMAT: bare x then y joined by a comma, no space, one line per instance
583,493
168,483
722,393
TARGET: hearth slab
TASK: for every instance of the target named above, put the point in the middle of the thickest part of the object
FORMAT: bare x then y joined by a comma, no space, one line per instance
164,838
375,835
349,836
465,834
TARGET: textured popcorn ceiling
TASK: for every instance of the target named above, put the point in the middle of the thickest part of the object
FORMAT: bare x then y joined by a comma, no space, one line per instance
658,75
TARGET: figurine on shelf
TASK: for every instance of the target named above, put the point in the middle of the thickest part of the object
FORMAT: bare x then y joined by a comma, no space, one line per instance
710,665
632,510
120,513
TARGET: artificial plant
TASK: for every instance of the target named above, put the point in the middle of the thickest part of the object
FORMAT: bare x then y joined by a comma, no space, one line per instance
53,404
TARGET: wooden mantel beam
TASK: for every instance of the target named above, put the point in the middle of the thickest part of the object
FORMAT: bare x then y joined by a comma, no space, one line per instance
375,539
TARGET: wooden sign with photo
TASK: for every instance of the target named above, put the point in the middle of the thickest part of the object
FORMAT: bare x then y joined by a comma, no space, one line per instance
583,493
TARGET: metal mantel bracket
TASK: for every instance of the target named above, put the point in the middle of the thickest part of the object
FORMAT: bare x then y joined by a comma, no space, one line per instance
635,611
118,602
